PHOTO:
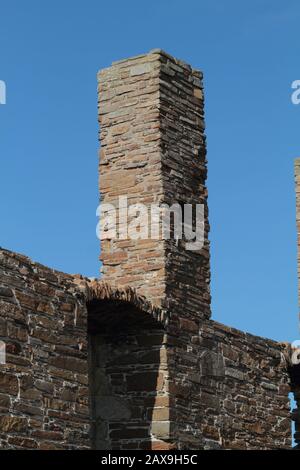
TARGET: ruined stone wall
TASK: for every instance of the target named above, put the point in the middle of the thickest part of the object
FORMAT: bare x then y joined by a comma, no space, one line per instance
153,151
230,389
76,376
150,385
44,383
227,389
198,385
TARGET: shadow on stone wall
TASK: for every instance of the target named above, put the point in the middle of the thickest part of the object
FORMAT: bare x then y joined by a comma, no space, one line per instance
127,366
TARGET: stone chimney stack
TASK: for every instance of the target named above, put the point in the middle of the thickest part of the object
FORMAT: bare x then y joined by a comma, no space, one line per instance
151,113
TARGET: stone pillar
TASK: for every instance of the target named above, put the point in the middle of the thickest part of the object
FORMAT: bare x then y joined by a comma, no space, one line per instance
297,181
153,152
295,370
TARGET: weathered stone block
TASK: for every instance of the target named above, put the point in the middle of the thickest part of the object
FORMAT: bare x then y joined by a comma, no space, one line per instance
8,383
145,381
12,424
6,292
161,429
112,408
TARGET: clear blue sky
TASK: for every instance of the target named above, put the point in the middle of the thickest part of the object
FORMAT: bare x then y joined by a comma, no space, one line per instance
249,52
